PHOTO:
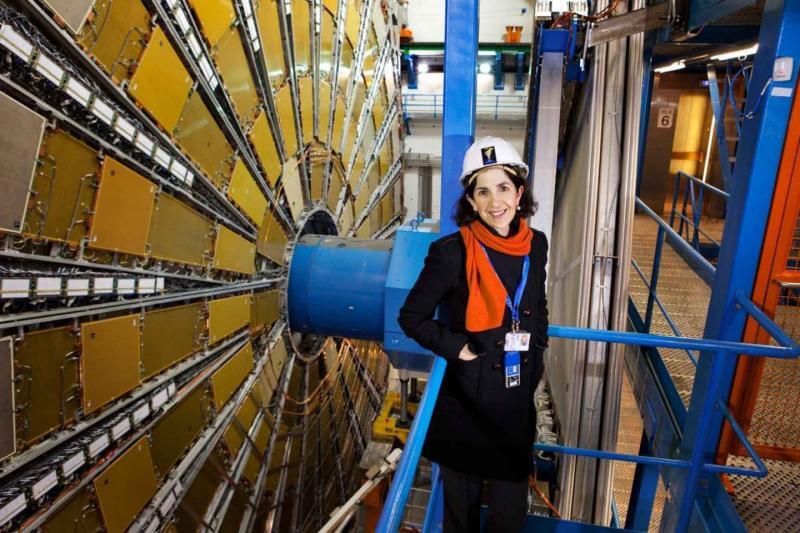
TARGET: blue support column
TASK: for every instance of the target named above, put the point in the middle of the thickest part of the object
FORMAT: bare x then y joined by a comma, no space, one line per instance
460,88
499,77
763,135
519,74
411,69
718,106
643,492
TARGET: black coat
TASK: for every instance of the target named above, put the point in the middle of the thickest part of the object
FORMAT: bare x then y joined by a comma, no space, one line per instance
479,427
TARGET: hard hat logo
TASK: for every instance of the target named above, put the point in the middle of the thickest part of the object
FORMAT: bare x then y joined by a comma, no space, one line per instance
488,155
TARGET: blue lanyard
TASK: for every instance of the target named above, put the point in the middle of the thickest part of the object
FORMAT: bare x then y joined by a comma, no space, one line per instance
514,308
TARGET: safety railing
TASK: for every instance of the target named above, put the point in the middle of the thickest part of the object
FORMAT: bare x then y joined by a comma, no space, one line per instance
690,214
787,348
497,106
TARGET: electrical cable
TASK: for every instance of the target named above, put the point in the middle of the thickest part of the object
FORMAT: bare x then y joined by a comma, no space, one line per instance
538,491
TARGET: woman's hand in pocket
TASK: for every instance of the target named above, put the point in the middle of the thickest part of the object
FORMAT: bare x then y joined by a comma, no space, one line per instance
466,354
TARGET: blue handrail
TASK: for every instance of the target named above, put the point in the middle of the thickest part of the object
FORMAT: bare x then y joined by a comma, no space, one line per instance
392,514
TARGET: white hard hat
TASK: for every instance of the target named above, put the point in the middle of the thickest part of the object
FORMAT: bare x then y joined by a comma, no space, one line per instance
491,152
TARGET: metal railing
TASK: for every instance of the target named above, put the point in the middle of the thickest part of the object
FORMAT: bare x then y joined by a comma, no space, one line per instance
787,348
498,106
694,190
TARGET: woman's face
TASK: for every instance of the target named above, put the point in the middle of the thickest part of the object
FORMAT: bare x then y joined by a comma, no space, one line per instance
495,199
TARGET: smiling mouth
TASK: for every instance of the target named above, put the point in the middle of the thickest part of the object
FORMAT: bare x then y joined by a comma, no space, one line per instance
498,214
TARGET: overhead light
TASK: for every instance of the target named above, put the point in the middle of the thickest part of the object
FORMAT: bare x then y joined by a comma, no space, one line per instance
485,68
677,65
735,54
422,68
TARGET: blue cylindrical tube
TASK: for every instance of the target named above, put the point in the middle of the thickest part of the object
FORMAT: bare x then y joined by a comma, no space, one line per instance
336,286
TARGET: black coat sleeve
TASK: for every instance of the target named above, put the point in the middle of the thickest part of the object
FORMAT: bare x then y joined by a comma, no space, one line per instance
416,315
542,321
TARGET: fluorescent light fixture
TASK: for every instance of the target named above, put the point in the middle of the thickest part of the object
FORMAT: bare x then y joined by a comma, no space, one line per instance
422,68
78,91
486,53
672,67
15,42
735,54
485,68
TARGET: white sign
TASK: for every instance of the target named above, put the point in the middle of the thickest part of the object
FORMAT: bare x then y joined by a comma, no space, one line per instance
665,117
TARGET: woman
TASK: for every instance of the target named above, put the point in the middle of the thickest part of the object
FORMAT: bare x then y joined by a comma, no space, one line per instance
489,280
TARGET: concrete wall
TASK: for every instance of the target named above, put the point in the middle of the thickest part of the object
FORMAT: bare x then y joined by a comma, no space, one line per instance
426,19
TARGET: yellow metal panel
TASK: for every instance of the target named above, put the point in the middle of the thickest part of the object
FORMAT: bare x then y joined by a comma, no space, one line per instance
199,134
17,160
301,29
160,82
332,6
245,193
385,157
326,42
200,493
178,428
378,23
216,17
226,380
379,107
368,66
324,110
285,108
358,169
397,145
262,388
235,71
227,315
387,209
235,511
109,360
368,135
292,187
254,461
345,65
264,310
47,374
306,88
375,217
169,336
123,207
272,240
63,189
317,170
126,486
116,34
361,200
338,124
278,356
272,45
234,253
352,20
8,439
236,431
78,515
264,143
388,79
347,218
179,233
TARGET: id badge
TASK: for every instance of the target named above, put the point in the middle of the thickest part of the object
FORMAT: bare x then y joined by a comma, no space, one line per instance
512,369
517,341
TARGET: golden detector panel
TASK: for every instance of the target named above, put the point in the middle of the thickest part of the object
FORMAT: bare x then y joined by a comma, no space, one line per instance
272,240
8,439
161,82
229,377
169,336
264,310
179,233
285,108
227,315
178,429
216,17
17,160
123,207
301,29
110,359
272,45
245,193
234,253
125,487
324,110
235,71
199,135
116,34
264,143
307,107
293,188
47,381
64,189
78,515
200,493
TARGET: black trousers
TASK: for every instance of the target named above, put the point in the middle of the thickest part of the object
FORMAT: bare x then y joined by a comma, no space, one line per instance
508,503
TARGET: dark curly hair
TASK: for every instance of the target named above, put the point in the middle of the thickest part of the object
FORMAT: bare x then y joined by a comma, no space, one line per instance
464,214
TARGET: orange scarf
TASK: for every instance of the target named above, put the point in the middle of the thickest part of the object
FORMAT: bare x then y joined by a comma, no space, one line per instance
486,304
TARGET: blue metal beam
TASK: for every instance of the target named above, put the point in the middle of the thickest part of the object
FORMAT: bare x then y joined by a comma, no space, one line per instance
763,135
643,491
460,91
